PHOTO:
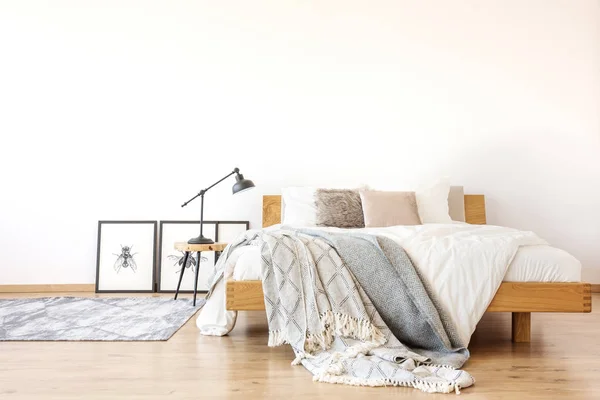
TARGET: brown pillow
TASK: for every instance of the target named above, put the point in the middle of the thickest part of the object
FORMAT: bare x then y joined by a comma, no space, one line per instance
339,207
382,209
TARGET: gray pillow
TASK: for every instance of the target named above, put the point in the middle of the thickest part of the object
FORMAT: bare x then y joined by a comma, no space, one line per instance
340,208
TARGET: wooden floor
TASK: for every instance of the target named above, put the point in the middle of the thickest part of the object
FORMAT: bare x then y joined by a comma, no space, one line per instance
563,361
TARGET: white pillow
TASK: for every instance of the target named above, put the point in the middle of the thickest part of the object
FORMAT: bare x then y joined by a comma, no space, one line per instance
432,203
299,208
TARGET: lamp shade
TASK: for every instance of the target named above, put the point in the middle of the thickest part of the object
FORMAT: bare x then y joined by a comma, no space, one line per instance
241,184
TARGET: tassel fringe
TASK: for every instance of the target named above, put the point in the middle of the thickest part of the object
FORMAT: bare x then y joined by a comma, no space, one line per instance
343,325
423,385
277,338
336,324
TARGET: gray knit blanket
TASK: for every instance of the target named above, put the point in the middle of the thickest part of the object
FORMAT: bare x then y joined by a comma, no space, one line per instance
354,310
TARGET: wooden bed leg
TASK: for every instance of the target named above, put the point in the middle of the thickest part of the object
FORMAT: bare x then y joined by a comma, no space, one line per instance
521,327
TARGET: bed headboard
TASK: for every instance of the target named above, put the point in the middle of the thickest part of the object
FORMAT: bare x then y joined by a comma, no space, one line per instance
474,209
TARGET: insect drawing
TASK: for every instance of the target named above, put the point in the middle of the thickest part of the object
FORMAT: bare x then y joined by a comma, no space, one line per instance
125,259
192,263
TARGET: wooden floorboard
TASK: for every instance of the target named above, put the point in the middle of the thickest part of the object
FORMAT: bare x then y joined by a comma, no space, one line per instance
562,361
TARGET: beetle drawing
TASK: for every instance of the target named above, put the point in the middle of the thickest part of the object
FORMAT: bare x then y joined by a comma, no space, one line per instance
178,261
125,259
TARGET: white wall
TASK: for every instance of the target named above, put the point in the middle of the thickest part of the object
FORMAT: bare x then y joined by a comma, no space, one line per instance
123,109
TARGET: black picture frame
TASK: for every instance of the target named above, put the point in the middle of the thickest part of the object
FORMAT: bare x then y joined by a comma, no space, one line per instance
98,250
160,246
245,223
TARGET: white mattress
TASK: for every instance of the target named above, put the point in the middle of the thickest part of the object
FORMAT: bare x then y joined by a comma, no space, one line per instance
541,263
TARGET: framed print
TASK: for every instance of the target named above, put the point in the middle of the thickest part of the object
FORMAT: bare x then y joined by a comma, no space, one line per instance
171,260
228,231
126,256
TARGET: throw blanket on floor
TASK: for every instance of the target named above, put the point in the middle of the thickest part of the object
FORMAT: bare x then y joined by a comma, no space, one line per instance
315,303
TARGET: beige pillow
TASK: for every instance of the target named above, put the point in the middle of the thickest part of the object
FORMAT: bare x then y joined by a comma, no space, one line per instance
382,209
456,203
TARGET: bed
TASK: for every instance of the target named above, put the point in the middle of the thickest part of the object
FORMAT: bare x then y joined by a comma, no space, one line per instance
542,279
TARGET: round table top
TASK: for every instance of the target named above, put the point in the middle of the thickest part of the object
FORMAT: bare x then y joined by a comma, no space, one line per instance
185,246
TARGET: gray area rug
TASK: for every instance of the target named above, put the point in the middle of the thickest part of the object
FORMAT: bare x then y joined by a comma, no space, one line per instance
105,319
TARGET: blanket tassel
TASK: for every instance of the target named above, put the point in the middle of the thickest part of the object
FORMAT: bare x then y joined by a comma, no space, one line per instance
425,386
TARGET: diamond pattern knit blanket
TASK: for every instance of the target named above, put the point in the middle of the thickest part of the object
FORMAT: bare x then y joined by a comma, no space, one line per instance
315,304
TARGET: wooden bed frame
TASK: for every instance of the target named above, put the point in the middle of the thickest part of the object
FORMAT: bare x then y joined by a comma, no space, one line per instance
521,299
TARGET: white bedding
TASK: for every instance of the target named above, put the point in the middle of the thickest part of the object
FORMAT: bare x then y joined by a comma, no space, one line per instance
536,263
463,264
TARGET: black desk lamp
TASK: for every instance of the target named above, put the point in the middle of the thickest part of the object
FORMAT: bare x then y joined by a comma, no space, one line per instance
240,185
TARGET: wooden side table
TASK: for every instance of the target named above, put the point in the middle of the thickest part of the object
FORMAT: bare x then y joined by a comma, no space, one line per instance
198,248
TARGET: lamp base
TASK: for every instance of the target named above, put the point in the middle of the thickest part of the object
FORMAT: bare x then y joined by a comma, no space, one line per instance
201,240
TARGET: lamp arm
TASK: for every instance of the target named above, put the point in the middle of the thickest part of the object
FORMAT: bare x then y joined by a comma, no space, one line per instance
235,171
201,193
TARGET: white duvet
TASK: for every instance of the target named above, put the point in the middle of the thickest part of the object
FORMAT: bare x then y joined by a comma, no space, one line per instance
540,263
463,264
